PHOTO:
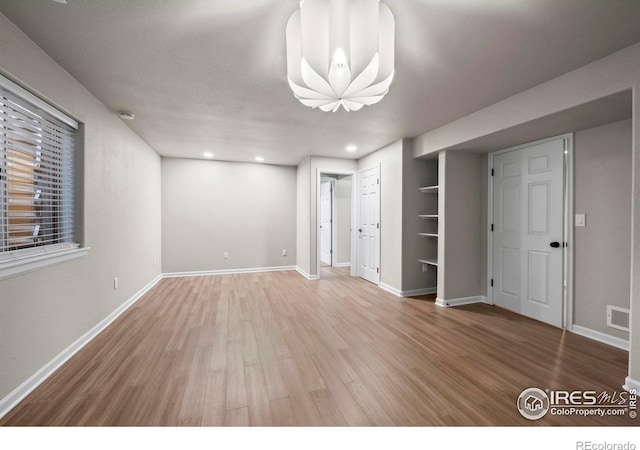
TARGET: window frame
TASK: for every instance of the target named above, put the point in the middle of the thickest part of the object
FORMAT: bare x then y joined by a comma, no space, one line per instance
28,259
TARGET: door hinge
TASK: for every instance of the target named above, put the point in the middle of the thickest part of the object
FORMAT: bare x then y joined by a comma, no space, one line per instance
377,180
492,227
377,269
492,171
492,282
330,252
378,226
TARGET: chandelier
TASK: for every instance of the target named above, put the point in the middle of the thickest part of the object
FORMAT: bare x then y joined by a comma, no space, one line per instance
340,53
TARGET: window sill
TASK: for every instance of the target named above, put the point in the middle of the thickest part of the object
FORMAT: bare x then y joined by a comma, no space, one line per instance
29,260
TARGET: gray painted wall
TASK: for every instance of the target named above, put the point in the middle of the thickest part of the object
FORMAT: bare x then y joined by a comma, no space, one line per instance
212,207
390,159
303,216
461,225
43,312
602,176
343,219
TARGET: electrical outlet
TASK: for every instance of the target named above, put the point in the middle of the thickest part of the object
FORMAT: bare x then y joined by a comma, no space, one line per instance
284,252
115,283
226,255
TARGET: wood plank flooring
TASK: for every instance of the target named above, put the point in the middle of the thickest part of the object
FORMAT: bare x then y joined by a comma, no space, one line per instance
275,349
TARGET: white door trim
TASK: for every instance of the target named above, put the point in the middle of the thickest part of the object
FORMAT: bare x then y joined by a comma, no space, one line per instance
334,219
328,172
334,225
568,251
355,237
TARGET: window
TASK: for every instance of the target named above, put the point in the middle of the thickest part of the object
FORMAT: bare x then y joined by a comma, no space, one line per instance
37,149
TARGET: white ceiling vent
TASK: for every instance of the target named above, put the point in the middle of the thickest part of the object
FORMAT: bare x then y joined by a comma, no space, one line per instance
618,318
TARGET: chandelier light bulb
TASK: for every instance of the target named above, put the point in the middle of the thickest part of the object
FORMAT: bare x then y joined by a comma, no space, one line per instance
340,53
339,58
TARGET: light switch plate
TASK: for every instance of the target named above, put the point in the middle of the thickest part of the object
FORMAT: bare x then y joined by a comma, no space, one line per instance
581,220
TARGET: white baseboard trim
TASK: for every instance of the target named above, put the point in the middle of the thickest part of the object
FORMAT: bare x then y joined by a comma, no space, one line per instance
441,303
416,292
600,337
630,383
461,301
19,393
412,293
390,289
343,264
204,273
305,274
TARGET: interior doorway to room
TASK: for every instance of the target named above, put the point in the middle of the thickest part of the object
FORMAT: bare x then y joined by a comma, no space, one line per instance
335,219
529,203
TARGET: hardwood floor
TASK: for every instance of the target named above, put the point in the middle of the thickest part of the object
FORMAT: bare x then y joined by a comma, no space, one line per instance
276,349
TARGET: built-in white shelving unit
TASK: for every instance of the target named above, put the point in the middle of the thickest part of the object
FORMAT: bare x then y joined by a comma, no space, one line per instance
429,189
430,261
429,229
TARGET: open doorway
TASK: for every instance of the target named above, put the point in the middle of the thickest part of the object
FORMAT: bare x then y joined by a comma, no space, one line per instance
335,219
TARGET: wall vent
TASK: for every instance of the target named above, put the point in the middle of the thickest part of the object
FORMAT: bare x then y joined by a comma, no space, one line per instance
618,318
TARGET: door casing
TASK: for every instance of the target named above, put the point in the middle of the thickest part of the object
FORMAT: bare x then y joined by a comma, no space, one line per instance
320,173
334,221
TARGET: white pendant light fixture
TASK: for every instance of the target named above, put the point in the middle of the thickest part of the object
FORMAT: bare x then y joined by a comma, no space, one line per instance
340,53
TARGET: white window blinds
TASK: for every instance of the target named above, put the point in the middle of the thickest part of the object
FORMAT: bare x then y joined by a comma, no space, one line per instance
36,172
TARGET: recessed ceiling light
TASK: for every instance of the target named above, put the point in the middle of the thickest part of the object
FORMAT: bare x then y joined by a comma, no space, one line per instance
126,115
208,155
351,148
259,159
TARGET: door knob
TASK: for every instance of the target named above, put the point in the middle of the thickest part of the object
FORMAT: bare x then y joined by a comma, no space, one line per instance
555,244
359,230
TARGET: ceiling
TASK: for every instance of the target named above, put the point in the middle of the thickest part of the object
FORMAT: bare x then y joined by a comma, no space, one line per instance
210,75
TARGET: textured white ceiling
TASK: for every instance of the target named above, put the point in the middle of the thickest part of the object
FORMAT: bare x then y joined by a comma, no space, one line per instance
210,75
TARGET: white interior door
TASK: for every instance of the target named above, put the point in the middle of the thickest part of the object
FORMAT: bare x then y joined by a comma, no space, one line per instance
369,225
528,231
326,219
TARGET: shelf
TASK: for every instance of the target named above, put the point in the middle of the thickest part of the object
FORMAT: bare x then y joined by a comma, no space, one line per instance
428,234
428,216
429,261
429,189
